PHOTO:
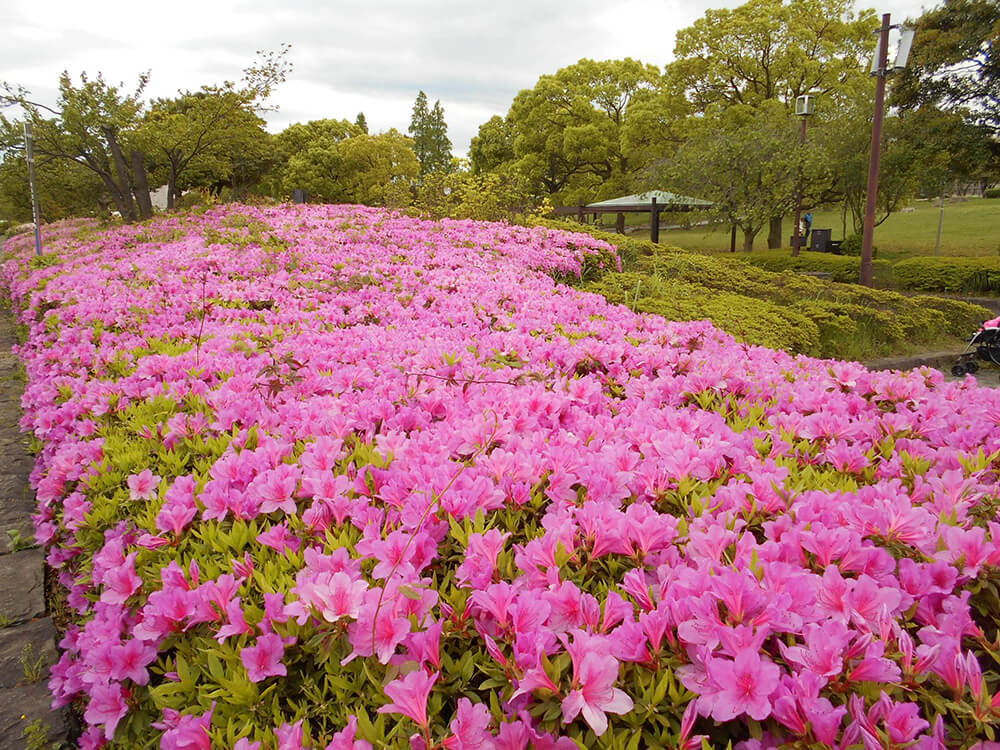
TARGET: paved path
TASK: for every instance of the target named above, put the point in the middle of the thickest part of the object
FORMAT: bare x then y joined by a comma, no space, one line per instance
988,375
27,636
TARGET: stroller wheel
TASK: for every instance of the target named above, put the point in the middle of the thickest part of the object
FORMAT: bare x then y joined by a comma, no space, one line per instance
972,366
993,352
958,370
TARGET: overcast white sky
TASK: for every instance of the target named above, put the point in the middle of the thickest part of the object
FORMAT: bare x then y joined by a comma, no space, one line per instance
349,55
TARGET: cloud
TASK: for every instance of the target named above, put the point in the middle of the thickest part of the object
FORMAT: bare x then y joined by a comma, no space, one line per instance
349,56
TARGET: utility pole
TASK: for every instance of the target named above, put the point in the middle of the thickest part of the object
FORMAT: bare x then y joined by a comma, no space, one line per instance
804,106
867,274
29,152
796,239
937,246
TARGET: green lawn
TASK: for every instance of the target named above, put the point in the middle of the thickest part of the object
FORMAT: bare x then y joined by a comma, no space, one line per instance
971,227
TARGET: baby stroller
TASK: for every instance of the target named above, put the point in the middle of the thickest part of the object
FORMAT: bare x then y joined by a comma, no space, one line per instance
983,344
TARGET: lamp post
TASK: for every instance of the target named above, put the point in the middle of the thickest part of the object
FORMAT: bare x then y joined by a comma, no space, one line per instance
804,106
881,69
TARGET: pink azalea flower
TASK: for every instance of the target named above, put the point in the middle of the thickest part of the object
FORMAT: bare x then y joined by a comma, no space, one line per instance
904,722
237,624
337,596
470,727
593,693
263,659
741,686
129,661
289,736
142,486
345,738
121,582
409,696
107,706
189,733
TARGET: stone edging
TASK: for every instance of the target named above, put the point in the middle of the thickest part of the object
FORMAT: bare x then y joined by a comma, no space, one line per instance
27,636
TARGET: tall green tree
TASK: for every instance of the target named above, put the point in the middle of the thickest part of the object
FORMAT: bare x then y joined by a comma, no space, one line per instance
64,189
93,126
774,51
748,162
430,136
568,132
361,122
955,63
492,146
202,138
362,168
110,133
313,142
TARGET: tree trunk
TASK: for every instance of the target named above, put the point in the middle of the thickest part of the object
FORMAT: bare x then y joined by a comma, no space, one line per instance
171,187
748,236
123,192
121,200
774,234
140,185
620,223
732,240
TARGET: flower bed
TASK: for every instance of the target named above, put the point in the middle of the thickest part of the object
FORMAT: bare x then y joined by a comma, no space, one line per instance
330,477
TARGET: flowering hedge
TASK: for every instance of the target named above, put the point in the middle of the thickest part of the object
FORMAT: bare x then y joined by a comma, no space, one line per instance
329,477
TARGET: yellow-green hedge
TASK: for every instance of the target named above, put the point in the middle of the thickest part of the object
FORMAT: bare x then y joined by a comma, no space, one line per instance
786,310
949,274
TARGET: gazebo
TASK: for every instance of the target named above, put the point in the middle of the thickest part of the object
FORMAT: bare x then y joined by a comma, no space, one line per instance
653,202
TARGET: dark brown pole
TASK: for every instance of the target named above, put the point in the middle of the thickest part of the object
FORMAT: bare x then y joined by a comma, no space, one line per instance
798,203
867,274
654,222
579,213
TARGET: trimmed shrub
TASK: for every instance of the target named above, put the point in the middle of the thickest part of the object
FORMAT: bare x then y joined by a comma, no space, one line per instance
993,192
844,268
786,310
751,320
948,274
962,317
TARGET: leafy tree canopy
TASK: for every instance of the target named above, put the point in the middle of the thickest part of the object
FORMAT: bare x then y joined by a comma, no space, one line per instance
748,161
567,134
766,50
955,62
362,168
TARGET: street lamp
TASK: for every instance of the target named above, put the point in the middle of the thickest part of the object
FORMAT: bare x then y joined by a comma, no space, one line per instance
805,105
881,69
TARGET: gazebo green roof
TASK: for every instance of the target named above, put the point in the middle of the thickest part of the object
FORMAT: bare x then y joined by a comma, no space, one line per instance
641,201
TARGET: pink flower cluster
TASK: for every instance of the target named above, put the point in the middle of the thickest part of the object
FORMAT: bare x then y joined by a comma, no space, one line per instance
799,541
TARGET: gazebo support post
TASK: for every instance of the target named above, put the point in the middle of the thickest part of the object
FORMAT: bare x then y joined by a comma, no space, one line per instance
654,222
620,223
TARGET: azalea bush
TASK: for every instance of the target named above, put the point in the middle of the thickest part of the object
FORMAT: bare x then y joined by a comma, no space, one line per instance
331,477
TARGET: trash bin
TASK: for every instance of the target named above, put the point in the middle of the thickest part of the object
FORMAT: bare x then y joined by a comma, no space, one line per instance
300,196
820,240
